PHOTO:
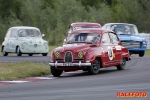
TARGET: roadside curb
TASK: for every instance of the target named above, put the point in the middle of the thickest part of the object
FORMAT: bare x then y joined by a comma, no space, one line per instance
25,80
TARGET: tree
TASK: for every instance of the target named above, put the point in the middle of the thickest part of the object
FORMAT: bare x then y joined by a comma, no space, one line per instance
10,6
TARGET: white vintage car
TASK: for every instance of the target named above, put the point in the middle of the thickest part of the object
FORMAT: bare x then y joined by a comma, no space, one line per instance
24,40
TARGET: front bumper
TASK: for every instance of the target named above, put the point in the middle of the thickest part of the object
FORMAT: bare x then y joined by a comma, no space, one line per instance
80,64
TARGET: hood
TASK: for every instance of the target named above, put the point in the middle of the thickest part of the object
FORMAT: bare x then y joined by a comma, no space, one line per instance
124,37
34,40
73,47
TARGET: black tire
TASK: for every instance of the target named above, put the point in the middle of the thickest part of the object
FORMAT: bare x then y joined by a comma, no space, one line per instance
141,53
30,54
95,67
55,72
122,64
44,54
4,52
18,52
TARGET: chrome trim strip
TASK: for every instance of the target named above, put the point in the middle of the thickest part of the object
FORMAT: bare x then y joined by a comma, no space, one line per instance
56,64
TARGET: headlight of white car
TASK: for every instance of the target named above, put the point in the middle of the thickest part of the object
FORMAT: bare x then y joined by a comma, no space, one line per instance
46,44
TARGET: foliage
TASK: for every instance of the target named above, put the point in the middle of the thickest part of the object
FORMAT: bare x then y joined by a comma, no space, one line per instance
53,17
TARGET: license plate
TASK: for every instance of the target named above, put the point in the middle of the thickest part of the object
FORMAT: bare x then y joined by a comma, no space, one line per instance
68,64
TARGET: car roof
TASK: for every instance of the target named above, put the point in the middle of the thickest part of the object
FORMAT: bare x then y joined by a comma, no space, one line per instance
23,27
119,24
92,30
85,24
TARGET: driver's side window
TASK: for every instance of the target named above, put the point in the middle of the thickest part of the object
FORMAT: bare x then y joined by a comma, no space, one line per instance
105,39
114,38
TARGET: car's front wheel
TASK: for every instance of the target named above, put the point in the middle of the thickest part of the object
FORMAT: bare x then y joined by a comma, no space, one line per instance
122,64
55,72
141,53
18,52
95,67
4,52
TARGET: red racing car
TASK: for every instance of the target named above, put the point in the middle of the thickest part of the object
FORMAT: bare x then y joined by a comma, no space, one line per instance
89,50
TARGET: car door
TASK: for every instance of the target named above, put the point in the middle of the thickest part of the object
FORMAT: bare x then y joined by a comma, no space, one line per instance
13,40
107,50
117,48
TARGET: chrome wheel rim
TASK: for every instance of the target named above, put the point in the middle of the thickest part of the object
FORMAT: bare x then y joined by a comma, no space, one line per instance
18,50
4,51
123,63
96,66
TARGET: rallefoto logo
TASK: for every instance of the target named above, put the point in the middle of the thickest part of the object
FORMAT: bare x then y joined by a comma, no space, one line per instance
131,94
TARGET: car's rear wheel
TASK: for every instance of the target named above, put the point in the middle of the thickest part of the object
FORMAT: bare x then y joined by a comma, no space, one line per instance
18,52
55,72
4,52
122,64
30,54
44,54
95,67
141,53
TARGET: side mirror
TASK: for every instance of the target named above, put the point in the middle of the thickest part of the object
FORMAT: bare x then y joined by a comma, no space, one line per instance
43,35
64,41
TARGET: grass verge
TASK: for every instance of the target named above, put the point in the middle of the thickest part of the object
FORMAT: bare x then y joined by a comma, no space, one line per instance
10,71
147,52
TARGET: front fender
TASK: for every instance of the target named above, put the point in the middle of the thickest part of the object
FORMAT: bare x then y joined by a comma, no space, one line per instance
92,54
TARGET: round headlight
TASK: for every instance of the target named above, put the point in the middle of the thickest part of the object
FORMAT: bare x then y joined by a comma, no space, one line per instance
57,54
80,54
45,44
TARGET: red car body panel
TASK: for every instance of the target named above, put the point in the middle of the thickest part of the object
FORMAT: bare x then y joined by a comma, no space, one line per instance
97,25
84,25
90,52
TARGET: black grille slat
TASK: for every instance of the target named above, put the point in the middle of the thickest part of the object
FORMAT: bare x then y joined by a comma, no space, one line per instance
78,59
68,57
131,44
59,59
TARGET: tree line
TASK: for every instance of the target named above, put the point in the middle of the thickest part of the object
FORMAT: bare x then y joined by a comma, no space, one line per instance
53,17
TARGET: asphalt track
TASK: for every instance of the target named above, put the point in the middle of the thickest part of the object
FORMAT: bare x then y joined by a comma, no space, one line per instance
81,86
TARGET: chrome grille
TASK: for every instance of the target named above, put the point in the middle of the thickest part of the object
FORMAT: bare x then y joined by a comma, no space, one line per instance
68,57
131,44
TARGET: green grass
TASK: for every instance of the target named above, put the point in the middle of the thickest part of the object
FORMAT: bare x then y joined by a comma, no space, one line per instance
9,71
51,48
147,52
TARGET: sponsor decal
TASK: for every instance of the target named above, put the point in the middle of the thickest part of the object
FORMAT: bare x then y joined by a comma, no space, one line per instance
110,53
118,47
114,55
131,94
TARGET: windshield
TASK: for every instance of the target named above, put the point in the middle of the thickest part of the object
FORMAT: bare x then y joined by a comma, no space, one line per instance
83,38
29,33
124,29
82,27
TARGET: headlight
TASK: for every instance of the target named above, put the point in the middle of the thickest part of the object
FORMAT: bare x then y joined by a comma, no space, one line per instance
57,54
45,44
80,54
144,44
